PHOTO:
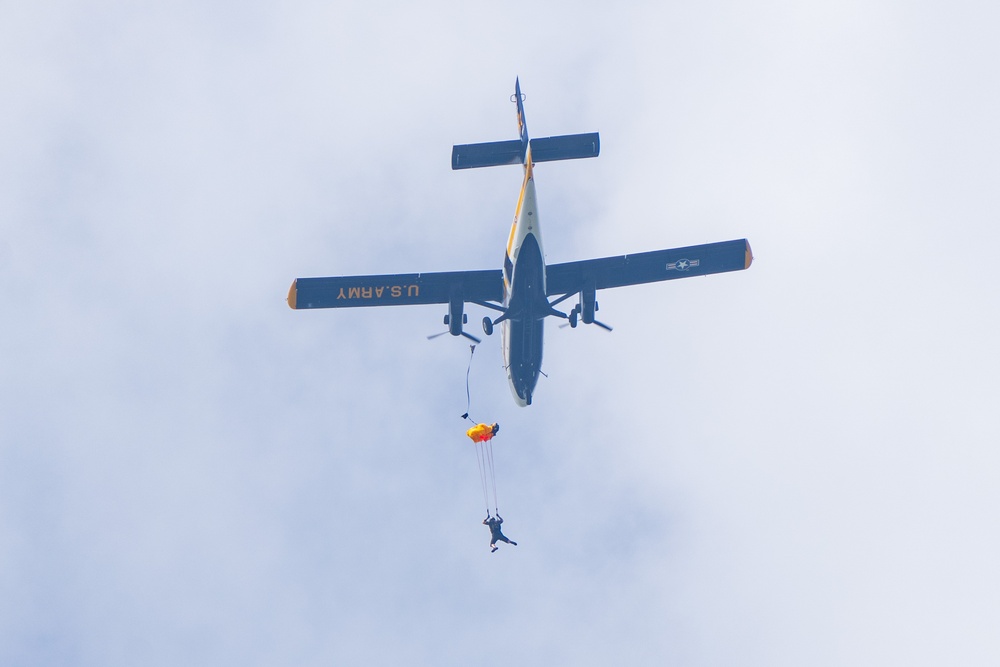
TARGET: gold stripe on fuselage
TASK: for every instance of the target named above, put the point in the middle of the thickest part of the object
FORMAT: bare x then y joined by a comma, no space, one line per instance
528,175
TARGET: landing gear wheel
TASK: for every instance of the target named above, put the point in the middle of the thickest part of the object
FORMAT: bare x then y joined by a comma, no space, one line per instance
572,318
488,326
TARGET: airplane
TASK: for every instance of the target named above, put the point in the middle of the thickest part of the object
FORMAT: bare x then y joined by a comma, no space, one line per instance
521,290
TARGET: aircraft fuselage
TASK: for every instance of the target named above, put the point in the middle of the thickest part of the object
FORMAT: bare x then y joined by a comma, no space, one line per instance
524,295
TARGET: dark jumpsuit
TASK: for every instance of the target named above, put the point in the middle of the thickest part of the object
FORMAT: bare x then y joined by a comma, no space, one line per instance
495,534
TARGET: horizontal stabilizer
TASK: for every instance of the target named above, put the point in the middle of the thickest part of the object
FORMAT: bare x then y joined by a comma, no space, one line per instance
491,154
547,149
396,290
566,147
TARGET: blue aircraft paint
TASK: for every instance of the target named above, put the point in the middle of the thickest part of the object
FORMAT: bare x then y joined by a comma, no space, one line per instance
525,305
526,314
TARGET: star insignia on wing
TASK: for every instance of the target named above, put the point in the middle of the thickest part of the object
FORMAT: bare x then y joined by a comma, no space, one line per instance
682,264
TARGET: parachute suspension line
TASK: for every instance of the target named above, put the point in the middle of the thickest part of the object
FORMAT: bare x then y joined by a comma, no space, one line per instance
481,460
487,473
468,394
493,475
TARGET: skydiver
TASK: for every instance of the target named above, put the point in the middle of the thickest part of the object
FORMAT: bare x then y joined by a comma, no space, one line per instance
495,534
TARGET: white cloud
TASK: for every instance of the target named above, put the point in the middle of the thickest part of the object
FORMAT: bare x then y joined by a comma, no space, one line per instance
783,466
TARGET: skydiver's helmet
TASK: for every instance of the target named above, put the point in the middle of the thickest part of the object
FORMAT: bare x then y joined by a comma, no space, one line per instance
496,428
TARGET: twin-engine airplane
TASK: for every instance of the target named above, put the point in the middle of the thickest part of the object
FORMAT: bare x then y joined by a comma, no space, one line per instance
521,291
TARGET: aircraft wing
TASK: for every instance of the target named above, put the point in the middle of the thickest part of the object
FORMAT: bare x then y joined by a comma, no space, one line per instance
647,267
399,289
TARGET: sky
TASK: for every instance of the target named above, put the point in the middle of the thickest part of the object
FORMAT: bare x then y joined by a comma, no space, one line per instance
794,464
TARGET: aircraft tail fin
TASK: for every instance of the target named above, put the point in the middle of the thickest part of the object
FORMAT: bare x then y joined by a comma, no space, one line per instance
522,125
516,151
547,149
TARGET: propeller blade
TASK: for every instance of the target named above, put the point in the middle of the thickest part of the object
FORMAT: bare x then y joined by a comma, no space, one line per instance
603,325
467,335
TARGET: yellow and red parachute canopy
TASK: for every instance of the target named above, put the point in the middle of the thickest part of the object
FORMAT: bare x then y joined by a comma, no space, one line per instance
483,432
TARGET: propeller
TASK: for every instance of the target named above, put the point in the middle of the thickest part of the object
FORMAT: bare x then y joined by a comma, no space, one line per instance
606,327
452,329
574,319
461,333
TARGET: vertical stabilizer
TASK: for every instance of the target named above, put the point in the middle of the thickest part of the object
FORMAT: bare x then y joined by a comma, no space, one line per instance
522,125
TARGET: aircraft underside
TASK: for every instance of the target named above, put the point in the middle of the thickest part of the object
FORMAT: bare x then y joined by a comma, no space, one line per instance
521,289
526,314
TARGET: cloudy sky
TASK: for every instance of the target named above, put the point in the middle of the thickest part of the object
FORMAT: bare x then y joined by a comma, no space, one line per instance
791,465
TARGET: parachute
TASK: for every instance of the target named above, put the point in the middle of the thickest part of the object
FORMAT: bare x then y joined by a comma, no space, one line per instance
483,432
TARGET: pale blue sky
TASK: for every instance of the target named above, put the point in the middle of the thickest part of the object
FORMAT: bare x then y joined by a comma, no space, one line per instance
792,465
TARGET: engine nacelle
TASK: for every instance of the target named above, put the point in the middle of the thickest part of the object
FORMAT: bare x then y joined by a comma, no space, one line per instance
588,304
455,317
